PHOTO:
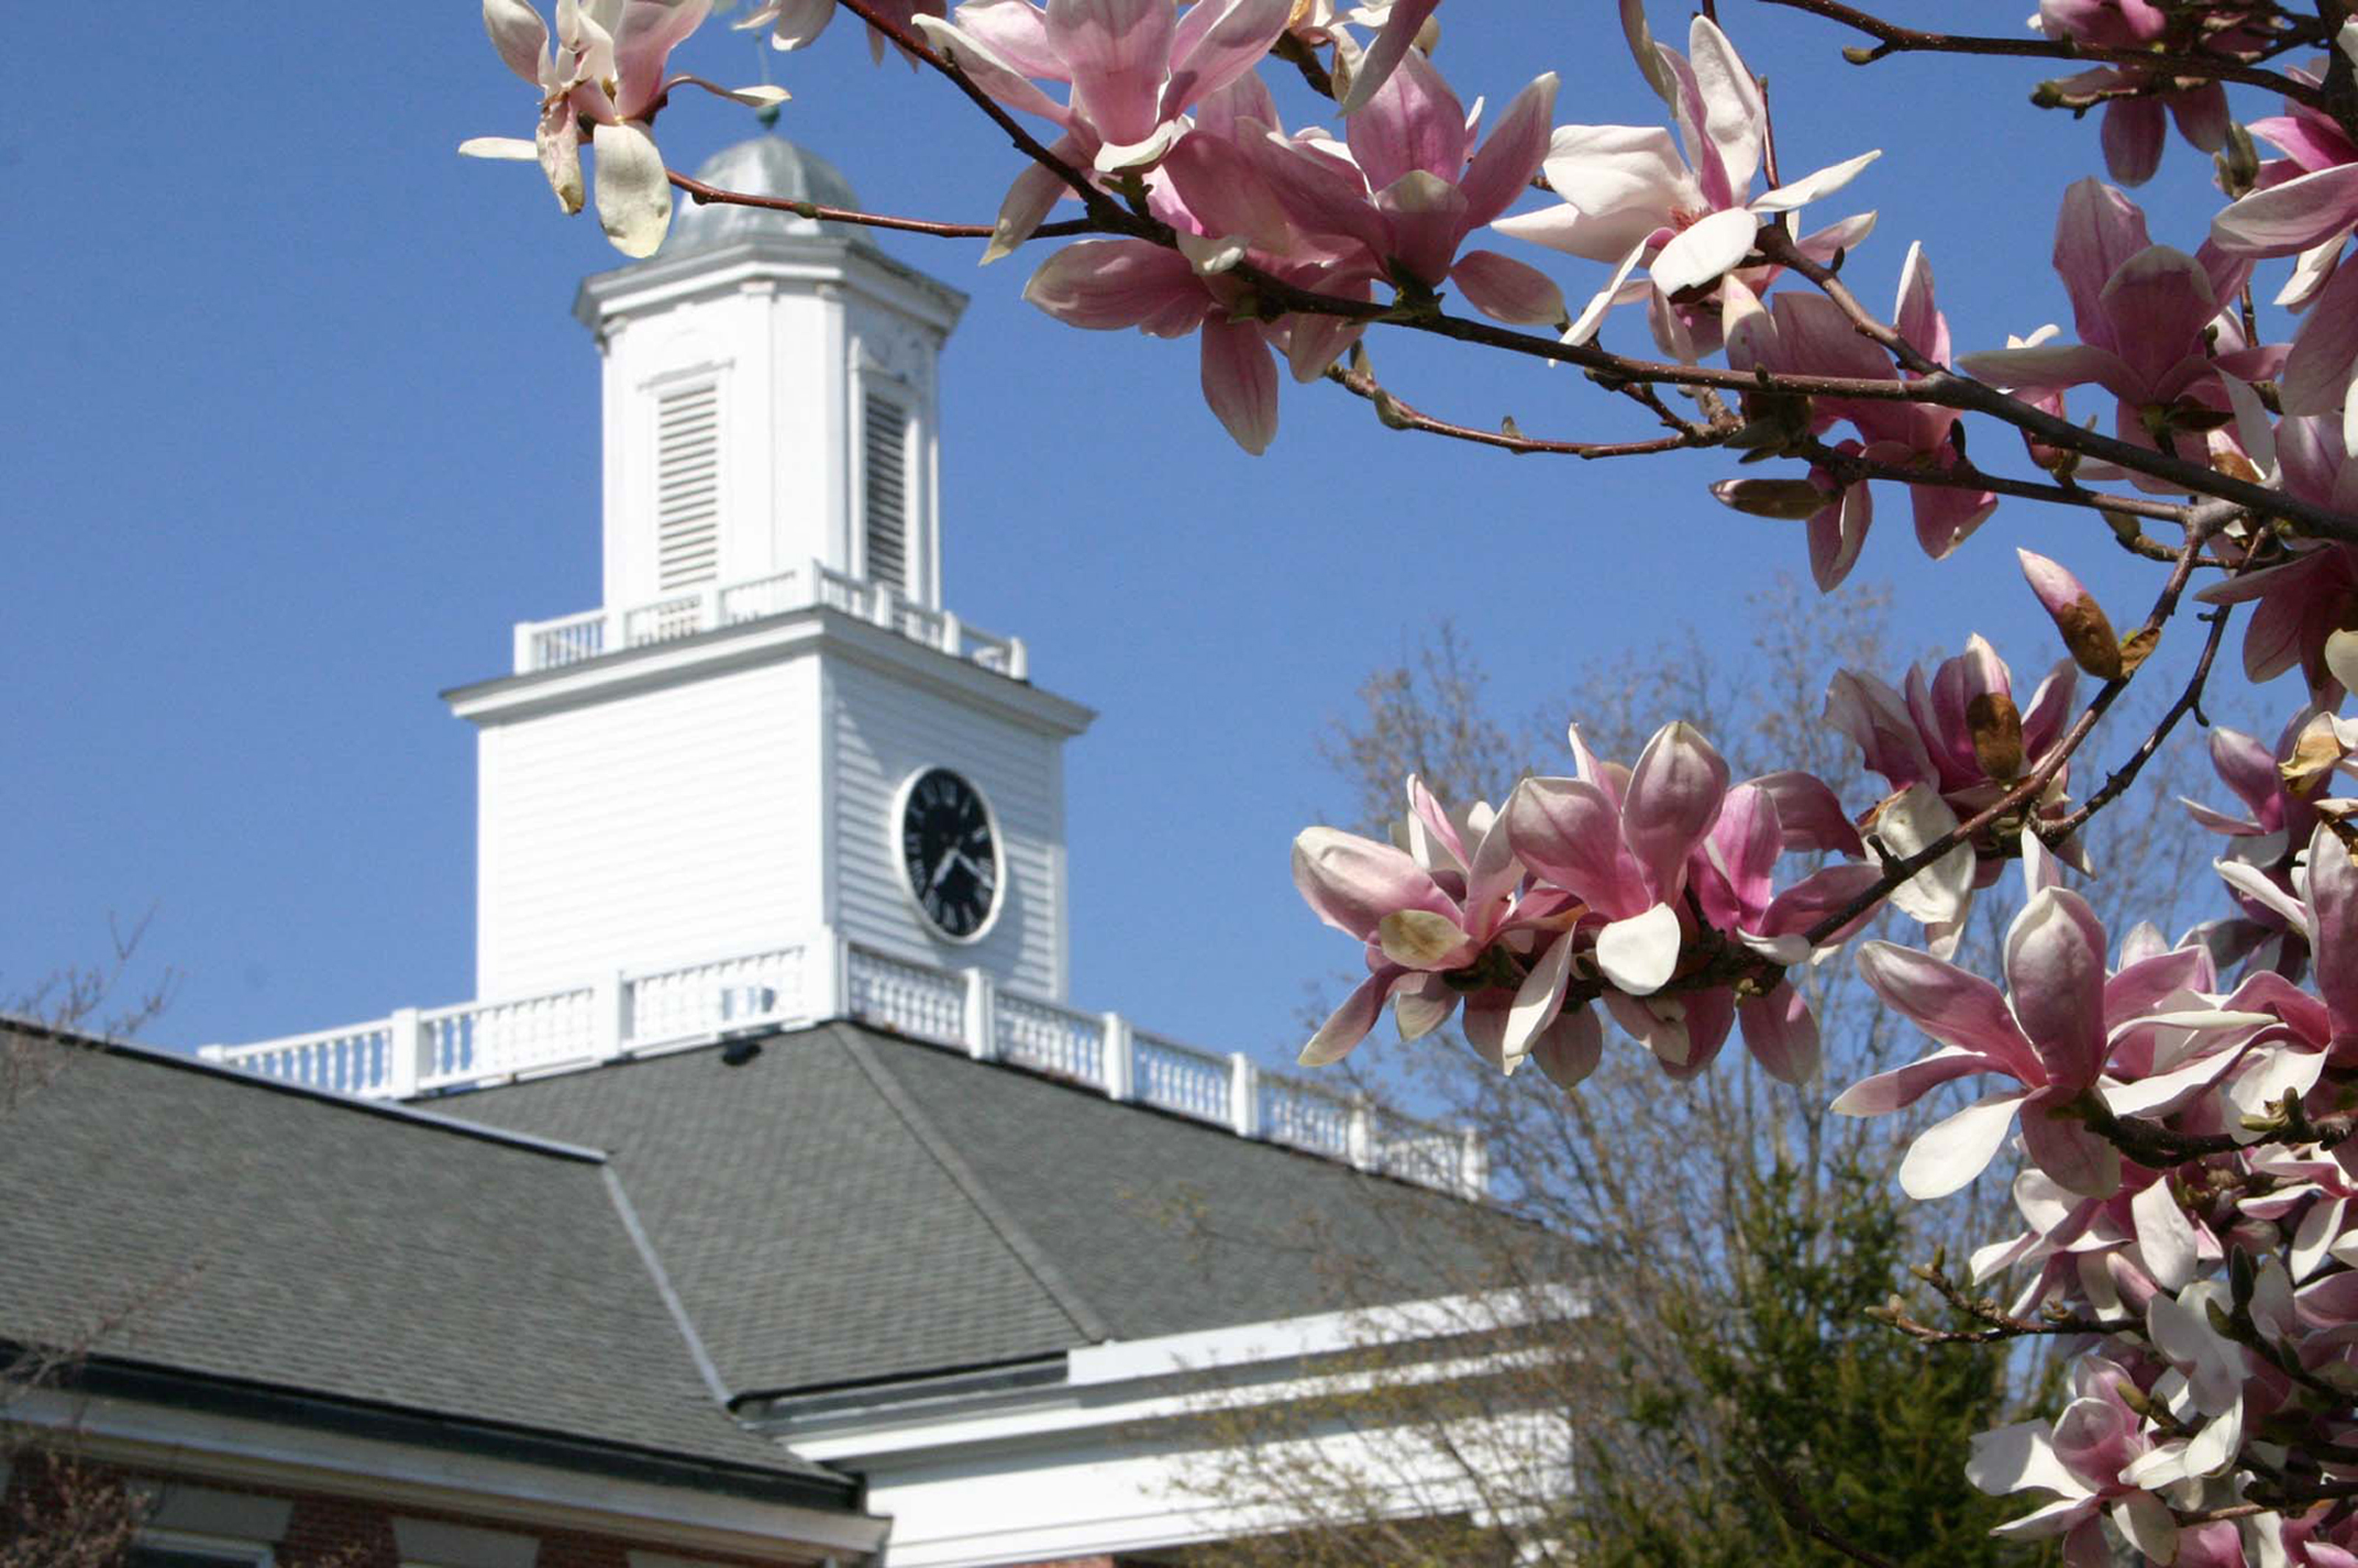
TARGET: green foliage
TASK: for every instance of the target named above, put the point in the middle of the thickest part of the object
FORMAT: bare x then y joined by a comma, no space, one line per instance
1799,1407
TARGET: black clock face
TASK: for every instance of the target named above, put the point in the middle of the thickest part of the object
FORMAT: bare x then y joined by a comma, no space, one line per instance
949,852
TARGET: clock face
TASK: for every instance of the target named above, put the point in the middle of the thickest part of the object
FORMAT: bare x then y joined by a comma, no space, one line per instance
950,853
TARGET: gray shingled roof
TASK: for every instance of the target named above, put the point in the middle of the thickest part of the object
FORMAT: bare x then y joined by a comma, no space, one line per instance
850,1207
267,1237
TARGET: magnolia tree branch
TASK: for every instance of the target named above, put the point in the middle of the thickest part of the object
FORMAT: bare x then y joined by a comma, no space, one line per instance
703,194
1891,38
1399,416
1934,385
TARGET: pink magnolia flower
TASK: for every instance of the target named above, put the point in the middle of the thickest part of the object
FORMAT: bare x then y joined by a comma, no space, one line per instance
1135,67
2047,1032
2133,127
1224,212
1442,923
1632,845
1407,186
606,67
2277,822
2151,326
2303,602
1630,198
2306,200
1950,747
2081,1459
1808,334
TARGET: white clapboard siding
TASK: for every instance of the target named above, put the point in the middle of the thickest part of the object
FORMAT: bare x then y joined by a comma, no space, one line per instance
650,829
885,730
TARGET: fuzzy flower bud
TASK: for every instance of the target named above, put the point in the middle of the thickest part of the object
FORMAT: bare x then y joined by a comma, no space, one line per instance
2087,631
1995,725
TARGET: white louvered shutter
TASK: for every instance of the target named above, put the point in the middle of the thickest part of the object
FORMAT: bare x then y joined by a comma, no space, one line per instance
885,450
687,486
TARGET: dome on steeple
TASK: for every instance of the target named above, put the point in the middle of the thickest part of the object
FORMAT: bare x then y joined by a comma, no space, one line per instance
766,166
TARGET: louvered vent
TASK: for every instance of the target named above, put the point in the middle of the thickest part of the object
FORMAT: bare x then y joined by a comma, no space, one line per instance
687,486
887,467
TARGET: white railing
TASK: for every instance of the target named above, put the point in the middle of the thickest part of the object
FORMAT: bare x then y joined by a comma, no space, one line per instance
553,644
420,1052
1170,1076
1050,1039
417,1053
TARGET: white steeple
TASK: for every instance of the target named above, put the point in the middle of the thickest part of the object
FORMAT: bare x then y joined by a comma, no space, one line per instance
772,736
770,394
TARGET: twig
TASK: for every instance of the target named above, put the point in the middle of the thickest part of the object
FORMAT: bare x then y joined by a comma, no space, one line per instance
1401,416
1891,38
704,193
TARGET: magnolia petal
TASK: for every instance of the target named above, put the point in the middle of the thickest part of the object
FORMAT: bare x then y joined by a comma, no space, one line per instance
519,33
1240,382
1705,250
2145,1520
1507,290
1385,54
1952,1152
1916,818
1676,793
1809,187
515,148
1351,882
2165,1236
1540,999
2055,976
1639,954
1350,1022
1781,1032
1419,939
633,192
2282,219
1569,1049
2062,1146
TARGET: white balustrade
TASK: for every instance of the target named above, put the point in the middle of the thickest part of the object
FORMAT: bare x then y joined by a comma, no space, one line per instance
417,1053
733,993
1051,1039
553,644
916,999
1169,1074
353,1060
666,620
1304,1117
475,1041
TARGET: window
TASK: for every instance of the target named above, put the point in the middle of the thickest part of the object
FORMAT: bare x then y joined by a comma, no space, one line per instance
886,491
688,485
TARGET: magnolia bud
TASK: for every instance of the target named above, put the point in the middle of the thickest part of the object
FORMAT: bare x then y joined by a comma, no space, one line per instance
2087,632
2238,164
1996,728
2315,753
1790,499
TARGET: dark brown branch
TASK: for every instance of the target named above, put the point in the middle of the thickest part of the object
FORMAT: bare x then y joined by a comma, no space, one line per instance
704,193
1401,416
1891,38
2189,700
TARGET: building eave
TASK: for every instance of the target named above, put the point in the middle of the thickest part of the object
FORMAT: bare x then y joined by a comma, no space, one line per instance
772,639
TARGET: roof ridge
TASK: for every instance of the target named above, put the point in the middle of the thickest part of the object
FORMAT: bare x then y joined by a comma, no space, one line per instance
1028,1252
395,1111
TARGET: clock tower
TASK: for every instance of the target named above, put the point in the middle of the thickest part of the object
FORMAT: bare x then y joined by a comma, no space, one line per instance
773,729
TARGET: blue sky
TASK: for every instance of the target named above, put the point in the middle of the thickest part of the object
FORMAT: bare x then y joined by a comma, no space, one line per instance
298,424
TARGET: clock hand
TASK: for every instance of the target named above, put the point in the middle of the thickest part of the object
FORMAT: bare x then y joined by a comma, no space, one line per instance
943,870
